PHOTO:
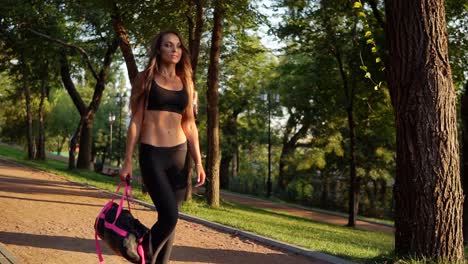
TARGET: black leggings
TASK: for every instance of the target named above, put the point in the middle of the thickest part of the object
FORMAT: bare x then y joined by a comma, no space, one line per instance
164,172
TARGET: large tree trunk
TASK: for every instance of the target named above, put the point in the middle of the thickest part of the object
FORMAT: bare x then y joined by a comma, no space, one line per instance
428,192
464,165
212,160
27,97
41,153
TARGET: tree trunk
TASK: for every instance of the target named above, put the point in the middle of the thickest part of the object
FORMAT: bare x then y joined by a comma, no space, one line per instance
27,97
84,156
195,32
349,92
212,160
41,153
428,192
464,165
354,181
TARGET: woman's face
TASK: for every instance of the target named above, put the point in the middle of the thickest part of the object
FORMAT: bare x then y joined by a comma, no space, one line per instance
171,49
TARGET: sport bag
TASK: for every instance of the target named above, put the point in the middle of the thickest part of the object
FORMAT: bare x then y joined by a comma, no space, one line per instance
120,230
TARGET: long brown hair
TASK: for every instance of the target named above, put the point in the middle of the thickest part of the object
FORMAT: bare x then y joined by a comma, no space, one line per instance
142,83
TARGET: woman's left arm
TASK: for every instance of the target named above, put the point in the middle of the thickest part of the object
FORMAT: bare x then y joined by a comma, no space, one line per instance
191,132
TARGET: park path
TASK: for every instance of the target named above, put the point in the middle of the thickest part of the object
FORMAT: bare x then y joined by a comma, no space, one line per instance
47,219
318,216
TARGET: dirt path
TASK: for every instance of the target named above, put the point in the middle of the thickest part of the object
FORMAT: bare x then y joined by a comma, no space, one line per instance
46,219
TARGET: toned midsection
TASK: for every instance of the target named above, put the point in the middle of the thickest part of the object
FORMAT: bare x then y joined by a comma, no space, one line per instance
162,128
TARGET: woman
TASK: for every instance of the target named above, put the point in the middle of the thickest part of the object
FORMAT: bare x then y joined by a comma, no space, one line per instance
163,120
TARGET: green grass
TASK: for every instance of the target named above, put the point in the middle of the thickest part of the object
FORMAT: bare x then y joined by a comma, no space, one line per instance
356,245
345,242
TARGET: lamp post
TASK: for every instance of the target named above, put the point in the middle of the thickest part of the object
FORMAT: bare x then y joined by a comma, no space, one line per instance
121,97
111,121
269,98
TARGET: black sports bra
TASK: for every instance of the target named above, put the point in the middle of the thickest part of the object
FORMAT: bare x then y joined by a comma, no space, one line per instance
167,100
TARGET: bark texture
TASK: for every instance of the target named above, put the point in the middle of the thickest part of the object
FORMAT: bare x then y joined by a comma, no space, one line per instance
428,191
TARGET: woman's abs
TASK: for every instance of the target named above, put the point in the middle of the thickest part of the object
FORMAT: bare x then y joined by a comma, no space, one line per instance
162,129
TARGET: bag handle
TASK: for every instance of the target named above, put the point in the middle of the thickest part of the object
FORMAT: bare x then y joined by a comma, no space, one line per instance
127,190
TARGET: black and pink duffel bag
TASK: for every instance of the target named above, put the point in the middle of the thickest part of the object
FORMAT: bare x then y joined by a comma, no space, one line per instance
120,230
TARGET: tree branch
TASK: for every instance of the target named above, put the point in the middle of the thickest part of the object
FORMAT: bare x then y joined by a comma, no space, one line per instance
69,86
63,43
125,46
305,145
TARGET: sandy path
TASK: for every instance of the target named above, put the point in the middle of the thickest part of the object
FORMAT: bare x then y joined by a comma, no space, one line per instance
46,219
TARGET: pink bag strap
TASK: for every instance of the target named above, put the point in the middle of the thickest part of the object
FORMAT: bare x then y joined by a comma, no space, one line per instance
141,253
127,189
98,247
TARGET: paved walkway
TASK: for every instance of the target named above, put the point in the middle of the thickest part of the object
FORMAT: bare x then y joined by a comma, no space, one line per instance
46,219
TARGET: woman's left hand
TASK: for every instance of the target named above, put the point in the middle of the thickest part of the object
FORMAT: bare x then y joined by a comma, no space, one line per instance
200,176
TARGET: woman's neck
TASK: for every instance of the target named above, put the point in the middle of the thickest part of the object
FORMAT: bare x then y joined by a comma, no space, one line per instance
167,70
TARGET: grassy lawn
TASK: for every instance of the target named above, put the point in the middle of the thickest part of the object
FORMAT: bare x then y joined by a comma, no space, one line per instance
356,245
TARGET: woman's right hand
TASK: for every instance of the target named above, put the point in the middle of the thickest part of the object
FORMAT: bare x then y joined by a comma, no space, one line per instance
126,171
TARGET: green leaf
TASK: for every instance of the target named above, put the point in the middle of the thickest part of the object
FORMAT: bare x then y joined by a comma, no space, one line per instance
364,68
377,60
